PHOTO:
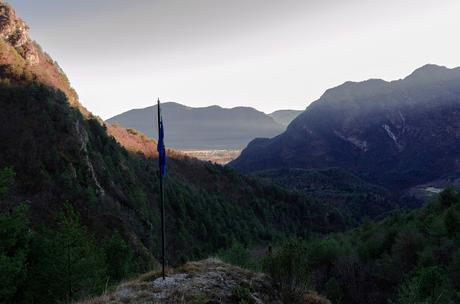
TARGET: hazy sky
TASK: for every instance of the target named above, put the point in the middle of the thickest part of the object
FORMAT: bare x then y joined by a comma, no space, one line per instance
262,53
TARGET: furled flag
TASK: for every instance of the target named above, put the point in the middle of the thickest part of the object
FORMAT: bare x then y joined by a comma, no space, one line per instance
161,145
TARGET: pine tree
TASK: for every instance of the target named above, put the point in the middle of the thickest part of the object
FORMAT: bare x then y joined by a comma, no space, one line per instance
14,250
69,264
119,258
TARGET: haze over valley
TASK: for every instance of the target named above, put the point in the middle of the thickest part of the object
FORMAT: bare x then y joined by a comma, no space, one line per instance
234,198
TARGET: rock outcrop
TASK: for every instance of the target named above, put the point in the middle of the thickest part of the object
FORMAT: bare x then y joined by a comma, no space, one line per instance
208,281
16,32
23,60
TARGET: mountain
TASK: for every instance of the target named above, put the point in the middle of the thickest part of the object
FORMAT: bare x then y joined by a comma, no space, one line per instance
207,128
79,199
395,134
79,203
285,117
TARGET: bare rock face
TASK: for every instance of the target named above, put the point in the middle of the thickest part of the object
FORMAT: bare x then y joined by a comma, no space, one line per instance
16,32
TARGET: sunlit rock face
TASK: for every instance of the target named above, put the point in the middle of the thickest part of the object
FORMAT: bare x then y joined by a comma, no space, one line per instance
16,32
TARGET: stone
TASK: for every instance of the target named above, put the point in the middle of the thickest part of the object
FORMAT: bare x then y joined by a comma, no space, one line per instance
14,30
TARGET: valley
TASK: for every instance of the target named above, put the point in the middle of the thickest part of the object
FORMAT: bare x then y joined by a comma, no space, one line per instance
221,157
354,200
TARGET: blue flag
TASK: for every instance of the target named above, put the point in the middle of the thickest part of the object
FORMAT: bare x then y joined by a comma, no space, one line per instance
161,149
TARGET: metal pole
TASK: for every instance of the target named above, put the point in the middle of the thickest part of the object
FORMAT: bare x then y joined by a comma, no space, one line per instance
162,199
162,206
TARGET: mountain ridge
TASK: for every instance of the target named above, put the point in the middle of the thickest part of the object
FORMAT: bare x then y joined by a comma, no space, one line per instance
211,127
373,129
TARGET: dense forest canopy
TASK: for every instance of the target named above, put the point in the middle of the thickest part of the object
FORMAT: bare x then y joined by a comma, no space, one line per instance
406,258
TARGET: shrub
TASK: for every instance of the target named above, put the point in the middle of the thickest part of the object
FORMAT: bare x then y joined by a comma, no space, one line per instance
289,269
237,255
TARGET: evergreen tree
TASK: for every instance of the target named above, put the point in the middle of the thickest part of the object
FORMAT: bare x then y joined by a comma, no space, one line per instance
14,250
6,179
119,258
69,265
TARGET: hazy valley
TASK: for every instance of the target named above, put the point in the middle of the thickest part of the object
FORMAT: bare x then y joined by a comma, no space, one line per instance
211,133
354,200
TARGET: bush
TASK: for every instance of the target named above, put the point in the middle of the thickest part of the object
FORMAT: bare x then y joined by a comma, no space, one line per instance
237,255
289,268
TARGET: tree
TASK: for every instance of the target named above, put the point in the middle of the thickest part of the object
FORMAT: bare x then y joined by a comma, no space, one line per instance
14,250
448,197
69,264
6,180
119,258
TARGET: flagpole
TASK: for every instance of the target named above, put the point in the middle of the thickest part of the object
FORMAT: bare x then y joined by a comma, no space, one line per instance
162,205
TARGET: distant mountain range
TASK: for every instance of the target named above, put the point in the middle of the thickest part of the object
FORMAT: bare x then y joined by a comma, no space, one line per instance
396,134
211,127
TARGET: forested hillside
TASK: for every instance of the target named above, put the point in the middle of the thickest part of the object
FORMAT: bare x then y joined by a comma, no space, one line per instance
406,258
342,189
80,212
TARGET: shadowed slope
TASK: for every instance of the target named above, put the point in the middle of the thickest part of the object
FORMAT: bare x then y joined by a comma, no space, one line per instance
397,134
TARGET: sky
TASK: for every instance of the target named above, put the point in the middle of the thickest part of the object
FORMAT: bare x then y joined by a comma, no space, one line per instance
267,54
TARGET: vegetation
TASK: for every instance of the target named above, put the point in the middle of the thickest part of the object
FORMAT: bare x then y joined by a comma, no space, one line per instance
238,255
59,156
87,196
58,262
67,252
14,250
349,193
78,213
405,258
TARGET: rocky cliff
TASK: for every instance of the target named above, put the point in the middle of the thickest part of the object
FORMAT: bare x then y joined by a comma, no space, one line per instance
15,32
22,59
